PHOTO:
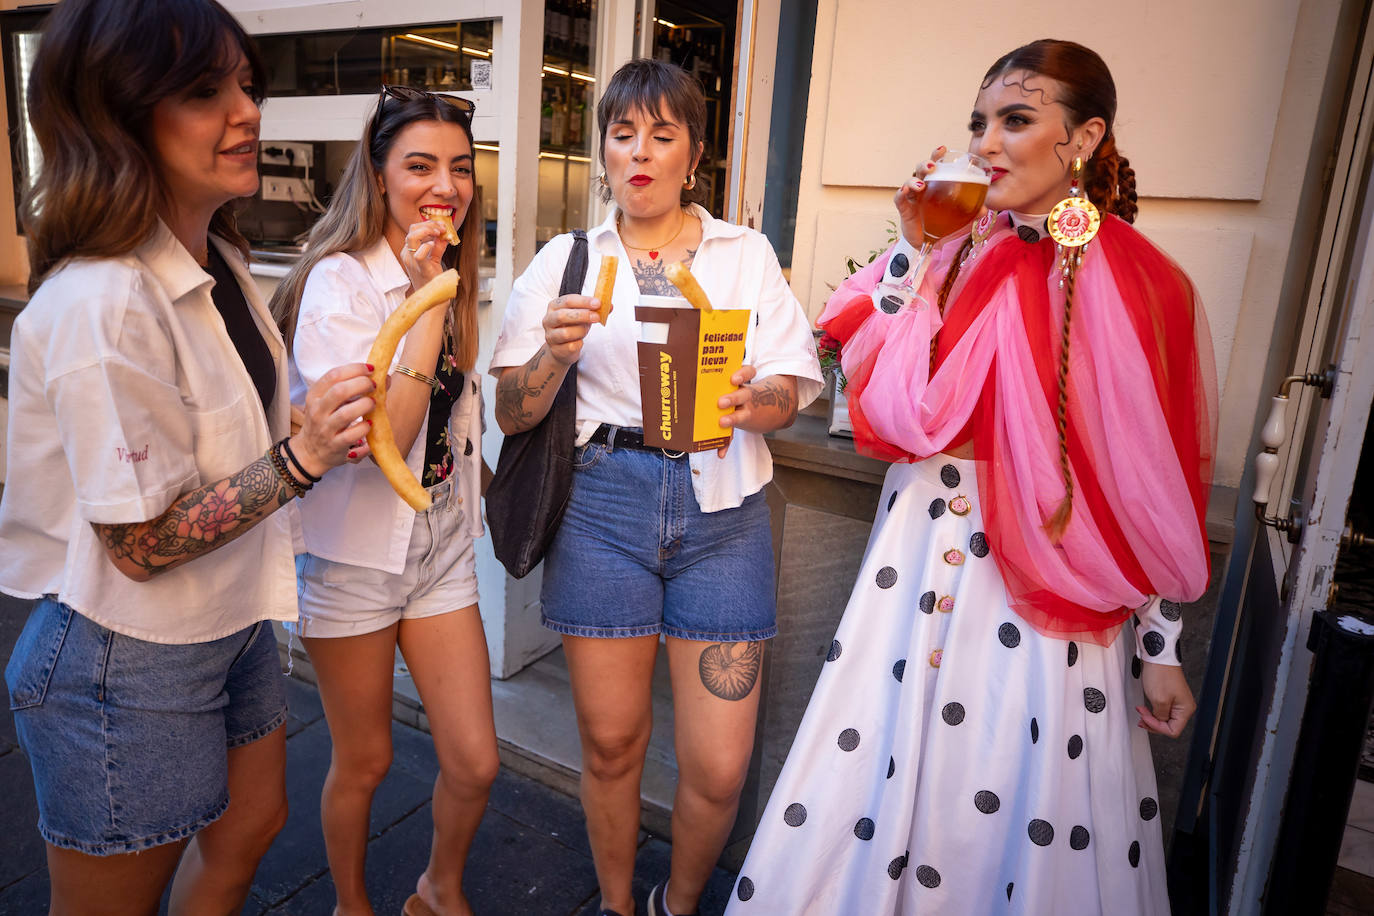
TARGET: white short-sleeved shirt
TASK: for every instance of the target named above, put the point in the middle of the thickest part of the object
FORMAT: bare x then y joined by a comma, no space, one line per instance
126,392
736,268
346,299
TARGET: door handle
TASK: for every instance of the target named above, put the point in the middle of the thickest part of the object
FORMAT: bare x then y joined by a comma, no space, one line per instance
1272,435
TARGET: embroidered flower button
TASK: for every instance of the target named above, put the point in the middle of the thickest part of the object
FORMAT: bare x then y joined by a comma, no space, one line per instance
946,603
960,505
954,557
936,657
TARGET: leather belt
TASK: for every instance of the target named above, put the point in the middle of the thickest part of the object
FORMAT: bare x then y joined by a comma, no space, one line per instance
615,437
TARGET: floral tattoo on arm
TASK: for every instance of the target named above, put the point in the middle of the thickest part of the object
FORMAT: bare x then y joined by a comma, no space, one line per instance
517,387
199,521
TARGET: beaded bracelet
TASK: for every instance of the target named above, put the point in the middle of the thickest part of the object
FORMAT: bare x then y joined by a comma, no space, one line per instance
286,444
429,380
274,454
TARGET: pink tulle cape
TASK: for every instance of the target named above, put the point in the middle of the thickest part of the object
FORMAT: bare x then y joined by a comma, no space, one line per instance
1141,414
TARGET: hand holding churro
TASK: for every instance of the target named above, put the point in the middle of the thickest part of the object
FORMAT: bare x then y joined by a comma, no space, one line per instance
444,217
380,437
687,284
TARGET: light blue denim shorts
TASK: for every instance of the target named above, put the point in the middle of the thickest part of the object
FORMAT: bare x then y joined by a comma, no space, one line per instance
636,556
128,739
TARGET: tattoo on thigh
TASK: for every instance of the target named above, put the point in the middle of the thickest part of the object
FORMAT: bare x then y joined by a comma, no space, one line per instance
730,669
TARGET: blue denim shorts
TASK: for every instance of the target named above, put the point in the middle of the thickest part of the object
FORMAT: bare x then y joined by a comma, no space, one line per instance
128,739
636,556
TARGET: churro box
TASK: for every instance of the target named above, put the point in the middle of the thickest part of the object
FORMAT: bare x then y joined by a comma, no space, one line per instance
686,360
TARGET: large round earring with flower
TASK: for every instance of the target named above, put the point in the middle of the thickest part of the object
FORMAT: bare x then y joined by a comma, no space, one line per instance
1073,223
691,181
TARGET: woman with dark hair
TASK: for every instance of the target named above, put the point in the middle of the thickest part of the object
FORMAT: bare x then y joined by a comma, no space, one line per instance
149,451
977,739
656,542
377,575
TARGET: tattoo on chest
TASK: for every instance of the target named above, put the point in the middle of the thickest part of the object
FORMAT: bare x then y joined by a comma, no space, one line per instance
651,276
730,669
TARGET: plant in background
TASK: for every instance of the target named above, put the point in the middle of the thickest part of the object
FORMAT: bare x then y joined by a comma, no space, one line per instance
827,346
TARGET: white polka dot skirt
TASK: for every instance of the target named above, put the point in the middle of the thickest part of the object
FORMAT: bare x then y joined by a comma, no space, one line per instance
952,759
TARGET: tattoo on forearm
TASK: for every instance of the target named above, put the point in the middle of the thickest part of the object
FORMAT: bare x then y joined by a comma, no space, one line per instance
731,669
199,521
773,393
515,389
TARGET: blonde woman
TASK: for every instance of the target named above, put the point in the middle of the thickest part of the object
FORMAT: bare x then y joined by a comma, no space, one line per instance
376,575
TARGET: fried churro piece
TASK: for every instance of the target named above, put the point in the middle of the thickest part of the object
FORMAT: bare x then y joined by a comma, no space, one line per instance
444,217
380,437
605,285
687,284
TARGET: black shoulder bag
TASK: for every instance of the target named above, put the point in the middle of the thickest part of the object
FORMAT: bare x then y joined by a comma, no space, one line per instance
529,492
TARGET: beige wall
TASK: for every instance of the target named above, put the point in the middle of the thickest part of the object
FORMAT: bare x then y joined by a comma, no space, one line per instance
1217,108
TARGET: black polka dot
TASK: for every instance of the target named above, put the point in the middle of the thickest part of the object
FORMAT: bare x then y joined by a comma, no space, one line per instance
1040,832
891,305
949,476
1028,234
899,265
978,544
1008,635
1135,667
863,828
937,507
1078,837
467,449
1148,808
891,767
745,889
899,669
1010,885
1153,643
928,876
887,577
1073,653
1075,747
986,802
895,867
795,815
928,602
849,739
1133,854
891,499
1094,699
1171,610
1035,730
835,650
953,713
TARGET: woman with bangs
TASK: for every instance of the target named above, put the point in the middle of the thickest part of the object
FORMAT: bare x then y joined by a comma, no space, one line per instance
977,741
376,575
655,542
149,396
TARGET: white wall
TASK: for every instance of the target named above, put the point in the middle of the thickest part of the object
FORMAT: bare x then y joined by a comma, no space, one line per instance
1217,105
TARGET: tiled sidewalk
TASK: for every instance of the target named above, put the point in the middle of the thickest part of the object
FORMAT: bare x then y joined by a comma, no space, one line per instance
530,856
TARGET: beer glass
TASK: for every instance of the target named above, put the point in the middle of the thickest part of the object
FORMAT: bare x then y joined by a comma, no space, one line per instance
954,195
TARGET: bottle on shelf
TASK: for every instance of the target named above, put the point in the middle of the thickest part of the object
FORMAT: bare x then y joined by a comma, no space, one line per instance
575,107
546,118
558,132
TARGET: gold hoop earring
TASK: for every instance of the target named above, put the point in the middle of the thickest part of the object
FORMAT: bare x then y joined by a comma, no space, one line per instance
602,179
691,181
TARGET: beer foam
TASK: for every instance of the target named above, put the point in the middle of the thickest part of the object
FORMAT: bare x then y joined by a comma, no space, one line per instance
960,170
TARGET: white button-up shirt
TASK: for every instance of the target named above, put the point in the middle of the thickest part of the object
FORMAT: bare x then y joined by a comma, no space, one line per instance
126,392
737,269
353,515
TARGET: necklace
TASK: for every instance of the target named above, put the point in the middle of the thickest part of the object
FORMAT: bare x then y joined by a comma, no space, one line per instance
654,250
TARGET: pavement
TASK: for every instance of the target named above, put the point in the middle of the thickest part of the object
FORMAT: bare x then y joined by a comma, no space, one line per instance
530,856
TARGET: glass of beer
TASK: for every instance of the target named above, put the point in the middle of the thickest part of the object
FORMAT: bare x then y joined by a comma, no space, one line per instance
953,198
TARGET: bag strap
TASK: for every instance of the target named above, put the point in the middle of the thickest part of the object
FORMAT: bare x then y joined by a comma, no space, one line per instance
575,273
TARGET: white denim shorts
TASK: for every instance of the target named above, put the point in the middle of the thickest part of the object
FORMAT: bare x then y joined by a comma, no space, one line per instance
440,575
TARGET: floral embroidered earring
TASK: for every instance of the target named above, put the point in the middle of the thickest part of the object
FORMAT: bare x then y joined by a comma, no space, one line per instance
1073,223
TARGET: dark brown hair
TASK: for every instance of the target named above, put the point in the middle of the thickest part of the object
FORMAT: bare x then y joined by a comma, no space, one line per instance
652,85
356,219
102,66
1089,92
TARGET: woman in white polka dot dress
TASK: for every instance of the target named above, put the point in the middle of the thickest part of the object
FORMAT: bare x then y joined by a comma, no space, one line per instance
977,740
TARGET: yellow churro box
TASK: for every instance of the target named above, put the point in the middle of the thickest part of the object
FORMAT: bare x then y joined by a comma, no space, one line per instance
686,360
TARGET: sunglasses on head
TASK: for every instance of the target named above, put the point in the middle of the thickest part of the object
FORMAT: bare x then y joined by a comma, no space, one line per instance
407,94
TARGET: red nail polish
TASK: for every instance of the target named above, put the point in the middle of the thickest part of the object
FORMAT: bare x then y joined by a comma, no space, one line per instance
353,454
371,368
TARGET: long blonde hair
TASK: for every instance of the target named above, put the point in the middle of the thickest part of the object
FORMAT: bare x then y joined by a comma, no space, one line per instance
357,217
102,66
